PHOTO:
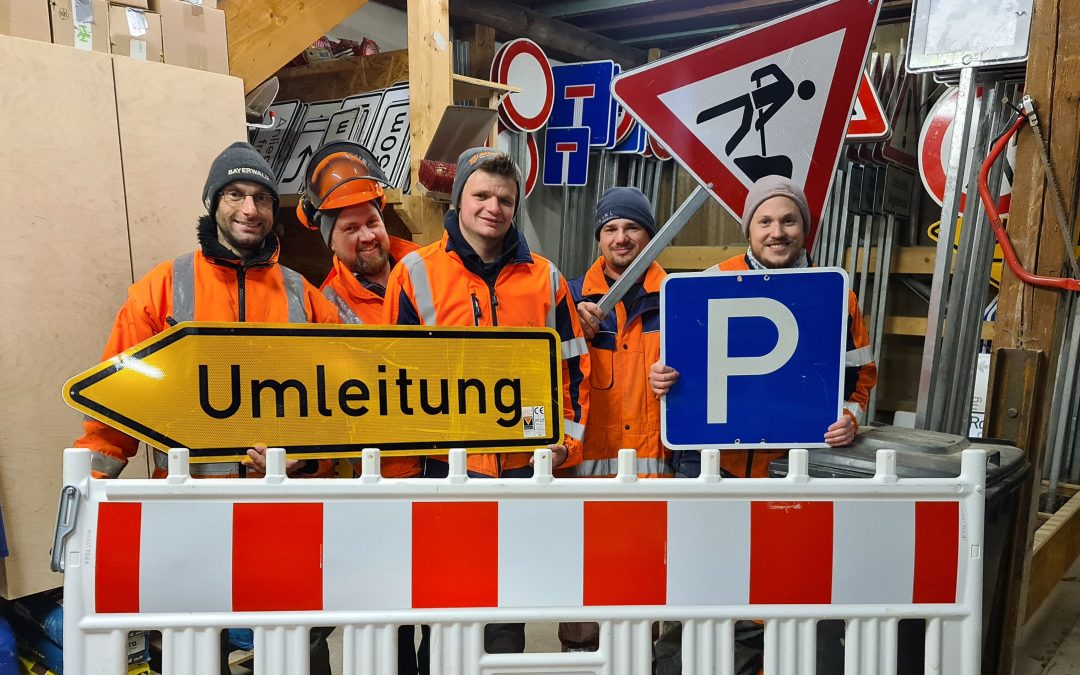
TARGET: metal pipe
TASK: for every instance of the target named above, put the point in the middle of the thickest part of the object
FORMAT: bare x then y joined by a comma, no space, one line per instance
928,415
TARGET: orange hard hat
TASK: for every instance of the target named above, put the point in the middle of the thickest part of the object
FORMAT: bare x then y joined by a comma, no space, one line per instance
339,175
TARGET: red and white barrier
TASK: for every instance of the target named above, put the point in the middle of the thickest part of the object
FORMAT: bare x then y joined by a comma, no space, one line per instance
189,557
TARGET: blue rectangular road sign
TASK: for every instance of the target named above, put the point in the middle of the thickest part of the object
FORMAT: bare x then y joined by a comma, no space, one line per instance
566,156
583,99
760,356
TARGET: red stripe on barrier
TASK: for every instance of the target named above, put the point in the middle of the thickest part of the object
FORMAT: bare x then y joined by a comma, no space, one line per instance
455,554
116,570
791,553
625,553
937,549
277,557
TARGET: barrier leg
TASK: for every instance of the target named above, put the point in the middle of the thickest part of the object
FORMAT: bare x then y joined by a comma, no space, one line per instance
708,647
888,636
191,651
104,653
457,649
869,629
282,651
807,640
933,647
369,650
772,648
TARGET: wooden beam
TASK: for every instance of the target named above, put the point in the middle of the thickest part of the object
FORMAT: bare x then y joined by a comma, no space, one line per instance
481,41
1029,319
905,260
264,35
714,11
560,38
1056,547
344,77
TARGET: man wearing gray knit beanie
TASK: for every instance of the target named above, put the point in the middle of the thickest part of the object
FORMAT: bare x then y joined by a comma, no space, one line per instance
776,219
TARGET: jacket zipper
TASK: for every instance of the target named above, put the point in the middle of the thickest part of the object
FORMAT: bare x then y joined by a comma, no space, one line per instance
494,306
475,310
240,293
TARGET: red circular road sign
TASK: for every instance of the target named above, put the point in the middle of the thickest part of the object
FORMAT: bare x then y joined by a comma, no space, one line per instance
935,143
521,63
658,150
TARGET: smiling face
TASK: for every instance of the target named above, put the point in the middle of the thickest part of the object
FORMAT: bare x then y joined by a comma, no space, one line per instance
244,216
621,241
777,232
487,208
360,241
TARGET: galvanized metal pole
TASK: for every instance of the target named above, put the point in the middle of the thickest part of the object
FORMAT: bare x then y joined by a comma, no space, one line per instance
928,413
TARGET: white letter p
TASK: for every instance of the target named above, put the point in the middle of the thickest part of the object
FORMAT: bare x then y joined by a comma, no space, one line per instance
721,366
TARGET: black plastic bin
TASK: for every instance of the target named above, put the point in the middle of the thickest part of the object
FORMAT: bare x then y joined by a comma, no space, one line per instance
930,454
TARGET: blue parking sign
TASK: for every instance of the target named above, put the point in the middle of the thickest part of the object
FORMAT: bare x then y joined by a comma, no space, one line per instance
760,356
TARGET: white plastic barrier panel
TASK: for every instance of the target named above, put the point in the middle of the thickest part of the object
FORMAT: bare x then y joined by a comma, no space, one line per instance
189,557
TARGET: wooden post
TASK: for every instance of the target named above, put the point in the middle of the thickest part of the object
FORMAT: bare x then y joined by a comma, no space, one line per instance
430,92
481,41
1030,319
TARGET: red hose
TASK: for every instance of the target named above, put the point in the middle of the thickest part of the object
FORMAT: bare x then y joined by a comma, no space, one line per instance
999,229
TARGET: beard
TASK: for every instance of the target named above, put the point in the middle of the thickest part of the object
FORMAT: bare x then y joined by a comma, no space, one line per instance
372,264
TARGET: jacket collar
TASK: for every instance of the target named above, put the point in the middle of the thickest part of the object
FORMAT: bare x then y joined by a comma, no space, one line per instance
596,282
214,251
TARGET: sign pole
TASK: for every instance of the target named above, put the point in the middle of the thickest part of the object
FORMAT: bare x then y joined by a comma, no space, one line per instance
663,237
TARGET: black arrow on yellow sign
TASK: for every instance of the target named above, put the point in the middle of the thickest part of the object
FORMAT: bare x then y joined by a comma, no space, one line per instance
329,391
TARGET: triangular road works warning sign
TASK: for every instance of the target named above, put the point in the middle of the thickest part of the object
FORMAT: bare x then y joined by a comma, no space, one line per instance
774,100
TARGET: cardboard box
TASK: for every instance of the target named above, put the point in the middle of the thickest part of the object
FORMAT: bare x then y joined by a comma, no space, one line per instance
137,4
135,33
25,19
89,35
193,36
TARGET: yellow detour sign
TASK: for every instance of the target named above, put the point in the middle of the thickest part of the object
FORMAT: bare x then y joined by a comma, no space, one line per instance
330,390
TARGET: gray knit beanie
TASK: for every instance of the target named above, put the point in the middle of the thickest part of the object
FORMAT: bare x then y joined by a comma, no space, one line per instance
239,161
624,202
473,159
767,188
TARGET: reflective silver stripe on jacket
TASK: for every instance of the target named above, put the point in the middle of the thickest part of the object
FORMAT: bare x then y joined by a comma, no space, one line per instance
859,357
425,299
346,312
575,347
212,470
183,287
109,466
855,408
575,430
610,467
294,291
553,282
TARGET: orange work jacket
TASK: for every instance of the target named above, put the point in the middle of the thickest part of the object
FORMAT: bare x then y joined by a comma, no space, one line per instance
201,287
443,284
623,412
361,305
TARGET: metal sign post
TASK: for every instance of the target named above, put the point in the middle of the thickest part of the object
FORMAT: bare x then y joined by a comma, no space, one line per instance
663,237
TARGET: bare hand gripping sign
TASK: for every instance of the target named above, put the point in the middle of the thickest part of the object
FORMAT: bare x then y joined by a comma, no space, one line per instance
330,391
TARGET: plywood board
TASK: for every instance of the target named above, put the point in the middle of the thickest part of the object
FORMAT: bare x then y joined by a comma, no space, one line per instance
64,269
173,122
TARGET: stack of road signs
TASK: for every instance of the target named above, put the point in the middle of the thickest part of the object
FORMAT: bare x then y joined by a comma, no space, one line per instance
773,100
583,116
378,120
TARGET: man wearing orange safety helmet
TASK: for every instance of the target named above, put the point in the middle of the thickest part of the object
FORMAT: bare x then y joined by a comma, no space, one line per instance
343,200
234,275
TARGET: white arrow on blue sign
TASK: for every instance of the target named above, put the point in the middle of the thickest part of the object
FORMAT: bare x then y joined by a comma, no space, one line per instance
760,356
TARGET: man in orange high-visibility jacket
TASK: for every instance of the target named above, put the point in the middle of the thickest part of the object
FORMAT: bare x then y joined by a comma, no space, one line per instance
234,275
343,200
623,413
482,273
775,221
